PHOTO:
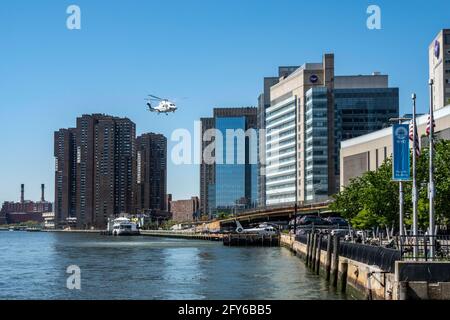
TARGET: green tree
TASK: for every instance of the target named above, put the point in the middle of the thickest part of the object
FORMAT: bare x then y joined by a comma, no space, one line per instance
223,215
372,199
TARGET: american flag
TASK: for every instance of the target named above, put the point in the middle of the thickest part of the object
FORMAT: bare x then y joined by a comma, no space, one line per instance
412,128
429,125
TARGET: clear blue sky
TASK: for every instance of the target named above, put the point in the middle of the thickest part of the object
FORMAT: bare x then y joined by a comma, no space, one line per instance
214,52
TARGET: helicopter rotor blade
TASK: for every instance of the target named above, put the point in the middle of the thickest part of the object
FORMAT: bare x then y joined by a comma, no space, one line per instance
155,97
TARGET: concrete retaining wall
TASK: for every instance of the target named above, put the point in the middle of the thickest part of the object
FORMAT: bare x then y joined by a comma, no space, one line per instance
357,279
411,280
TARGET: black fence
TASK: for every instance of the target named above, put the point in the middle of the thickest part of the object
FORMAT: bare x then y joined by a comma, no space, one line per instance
382,257
425,248
303,238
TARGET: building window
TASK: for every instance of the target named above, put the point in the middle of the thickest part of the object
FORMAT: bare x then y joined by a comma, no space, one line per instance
376,158
447,39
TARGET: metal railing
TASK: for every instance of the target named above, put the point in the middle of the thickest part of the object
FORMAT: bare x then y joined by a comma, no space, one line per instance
420,248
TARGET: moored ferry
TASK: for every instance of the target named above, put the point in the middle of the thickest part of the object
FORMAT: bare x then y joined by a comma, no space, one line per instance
124,227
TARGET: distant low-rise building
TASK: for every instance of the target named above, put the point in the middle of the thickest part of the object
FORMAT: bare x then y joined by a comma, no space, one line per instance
185,210
368,152
2,218
25,206
49,220
22,217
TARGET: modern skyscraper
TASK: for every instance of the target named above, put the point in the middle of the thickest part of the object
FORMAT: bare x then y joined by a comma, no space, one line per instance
151,173
228,183
100,155
323,110
263,104
439,66
285,155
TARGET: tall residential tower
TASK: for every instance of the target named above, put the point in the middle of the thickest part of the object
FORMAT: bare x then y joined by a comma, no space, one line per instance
151,172
95,170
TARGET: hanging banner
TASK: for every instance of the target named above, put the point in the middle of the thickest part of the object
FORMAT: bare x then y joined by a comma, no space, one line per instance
401,163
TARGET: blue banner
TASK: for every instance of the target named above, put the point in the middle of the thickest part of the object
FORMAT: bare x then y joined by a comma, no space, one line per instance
401,163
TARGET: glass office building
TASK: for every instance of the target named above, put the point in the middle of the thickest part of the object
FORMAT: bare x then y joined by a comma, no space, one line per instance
316,149
359,111
230,172
233,186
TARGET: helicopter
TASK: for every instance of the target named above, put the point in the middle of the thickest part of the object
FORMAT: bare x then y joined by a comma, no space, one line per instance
164,105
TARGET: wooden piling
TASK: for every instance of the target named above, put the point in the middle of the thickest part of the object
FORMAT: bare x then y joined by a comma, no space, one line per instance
319,251
343,279
335,262
403,290
308,246
328,261
313,260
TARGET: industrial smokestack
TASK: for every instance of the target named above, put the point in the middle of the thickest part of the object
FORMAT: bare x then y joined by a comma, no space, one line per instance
22,193
42,192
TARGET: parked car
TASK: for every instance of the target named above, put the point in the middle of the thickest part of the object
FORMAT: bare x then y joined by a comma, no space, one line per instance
341,233
308,220
338,221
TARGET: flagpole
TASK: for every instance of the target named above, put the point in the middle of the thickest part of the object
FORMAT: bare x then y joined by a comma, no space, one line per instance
414,186
431,190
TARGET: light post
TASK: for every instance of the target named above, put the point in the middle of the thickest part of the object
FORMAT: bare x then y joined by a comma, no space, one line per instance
414,186
431,190
400,189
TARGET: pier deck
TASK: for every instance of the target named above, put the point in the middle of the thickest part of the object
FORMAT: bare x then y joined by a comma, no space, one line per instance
249,239
183,235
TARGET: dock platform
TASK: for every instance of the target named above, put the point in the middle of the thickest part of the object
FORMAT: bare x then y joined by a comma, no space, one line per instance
249,239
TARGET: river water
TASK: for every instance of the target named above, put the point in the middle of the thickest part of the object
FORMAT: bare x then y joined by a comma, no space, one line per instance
34,265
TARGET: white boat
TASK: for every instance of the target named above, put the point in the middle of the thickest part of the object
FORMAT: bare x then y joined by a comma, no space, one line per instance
124,227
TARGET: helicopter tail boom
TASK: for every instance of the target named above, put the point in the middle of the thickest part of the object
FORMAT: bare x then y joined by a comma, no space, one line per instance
150,108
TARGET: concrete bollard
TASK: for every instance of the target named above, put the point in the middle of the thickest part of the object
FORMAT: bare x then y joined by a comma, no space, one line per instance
335,262
319,251
328,261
